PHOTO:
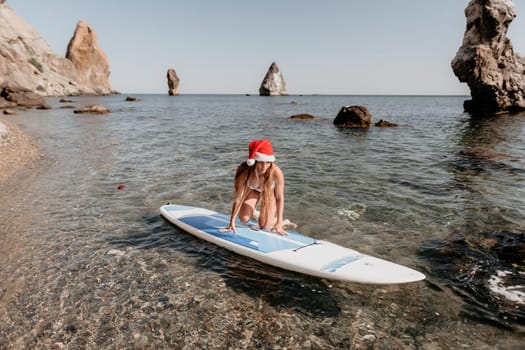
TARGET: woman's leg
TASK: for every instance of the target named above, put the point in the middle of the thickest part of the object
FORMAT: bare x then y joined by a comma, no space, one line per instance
248,206
268,216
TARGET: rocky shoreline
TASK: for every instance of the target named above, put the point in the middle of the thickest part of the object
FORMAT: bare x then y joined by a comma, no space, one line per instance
17,149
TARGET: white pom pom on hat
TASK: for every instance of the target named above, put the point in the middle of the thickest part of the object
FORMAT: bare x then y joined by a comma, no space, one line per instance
260,150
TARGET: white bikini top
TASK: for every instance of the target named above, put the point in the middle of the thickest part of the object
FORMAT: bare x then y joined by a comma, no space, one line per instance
258,189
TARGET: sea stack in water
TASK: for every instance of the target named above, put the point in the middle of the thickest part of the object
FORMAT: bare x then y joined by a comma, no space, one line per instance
173,82
91,62
486,60
273,83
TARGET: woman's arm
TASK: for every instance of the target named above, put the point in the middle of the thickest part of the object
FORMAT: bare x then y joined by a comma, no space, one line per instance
279,201
237,201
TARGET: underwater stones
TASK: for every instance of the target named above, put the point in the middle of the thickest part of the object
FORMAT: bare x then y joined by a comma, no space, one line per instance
486,60
385,124
486,269
303,116
273,83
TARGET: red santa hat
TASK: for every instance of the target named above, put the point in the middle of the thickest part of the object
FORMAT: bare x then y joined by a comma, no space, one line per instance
260,150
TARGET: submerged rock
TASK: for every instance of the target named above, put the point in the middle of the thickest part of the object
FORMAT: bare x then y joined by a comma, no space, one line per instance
303,116
93,109
385,124
487,270
273,83
44,106
486,60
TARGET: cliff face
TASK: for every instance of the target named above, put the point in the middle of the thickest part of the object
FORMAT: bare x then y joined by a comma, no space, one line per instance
486,60
27,61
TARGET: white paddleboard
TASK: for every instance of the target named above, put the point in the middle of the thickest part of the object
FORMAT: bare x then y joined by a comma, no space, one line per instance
294,252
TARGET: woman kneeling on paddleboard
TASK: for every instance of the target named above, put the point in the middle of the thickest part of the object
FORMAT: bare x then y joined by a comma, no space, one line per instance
259,179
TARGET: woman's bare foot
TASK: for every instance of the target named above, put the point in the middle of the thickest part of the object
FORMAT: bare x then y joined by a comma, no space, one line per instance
288,224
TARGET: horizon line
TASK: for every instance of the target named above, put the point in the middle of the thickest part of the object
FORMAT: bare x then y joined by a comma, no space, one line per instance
289,95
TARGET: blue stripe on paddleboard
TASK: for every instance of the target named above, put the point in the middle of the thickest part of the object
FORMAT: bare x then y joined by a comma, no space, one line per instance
255,239
337,264
175,207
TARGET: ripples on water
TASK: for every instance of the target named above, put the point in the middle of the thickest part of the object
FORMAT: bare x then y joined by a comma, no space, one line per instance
383,191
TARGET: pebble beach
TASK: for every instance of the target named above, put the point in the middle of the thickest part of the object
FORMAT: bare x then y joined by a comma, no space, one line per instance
16,150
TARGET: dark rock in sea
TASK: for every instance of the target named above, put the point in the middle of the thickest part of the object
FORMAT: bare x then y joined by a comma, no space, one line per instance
273,83
67,107
486,269
353,117
44,106
93,109
173,82
132,98
486,60
303,116
65,100
384,124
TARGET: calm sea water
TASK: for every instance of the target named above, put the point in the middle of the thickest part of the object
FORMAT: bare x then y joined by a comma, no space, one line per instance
383,191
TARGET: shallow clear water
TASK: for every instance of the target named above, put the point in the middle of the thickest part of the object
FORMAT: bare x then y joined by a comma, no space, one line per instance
383,191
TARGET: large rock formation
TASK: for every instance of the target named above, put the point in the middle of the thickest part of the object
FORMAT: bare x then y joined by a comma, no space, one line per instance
27,62
486,60
273,83
90,61
173,82
353,117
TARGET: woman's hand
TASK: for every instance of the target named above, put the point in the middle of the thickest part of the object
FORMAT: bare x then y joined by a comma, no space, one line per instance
278,227
230,228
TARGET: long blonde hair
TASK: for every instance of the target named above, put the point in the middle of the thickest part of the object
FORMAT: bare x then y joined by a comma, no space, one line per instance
242,174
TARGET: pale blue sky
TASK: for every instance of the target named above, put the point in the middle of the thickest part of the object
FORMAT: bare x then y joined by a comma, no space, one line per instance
322,47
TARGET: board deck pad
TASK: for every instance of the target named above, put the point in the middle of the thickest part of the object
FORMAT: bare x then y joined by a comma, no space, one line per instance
294,252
